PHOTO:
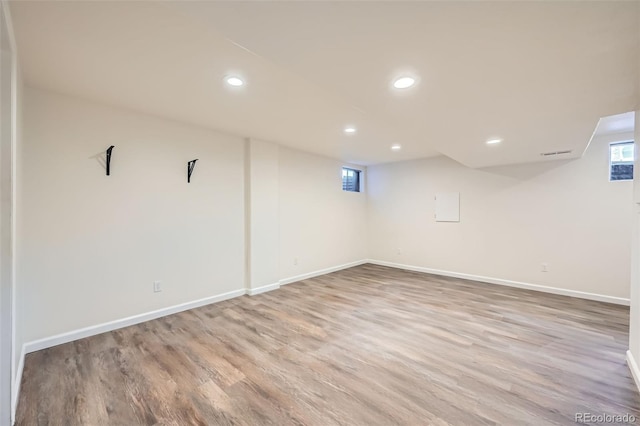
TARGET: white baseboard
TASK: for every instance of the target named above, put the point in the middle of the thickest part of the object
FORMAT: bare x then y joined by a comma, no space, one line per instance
321,272
635,372
509,283
70,336
59,339
15,391
263,289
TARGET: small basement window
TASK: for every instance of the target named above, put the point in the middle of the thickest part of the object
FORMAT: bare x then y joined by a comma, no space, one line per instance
621,157
350,179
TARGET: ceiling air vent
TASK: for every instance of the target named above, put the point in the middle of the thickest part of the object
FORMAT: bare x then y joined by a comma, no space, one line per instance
551,154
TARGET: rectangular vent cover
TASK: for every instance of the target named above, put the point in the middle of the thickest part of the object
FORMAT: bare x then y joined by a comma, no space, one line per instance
549,154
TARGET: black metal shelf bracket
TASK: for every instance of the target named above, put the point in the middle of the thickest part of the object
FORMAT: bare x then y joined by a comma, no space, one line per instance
109,159
190,165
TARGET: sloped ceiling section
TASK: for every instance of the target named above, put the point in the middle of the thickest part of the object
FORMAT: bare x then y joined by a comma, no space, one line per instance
616,124
537,75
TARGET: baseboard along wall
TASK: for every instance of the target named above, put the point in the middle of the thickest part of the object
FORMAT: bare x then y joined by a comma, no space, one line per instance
508,283
70,336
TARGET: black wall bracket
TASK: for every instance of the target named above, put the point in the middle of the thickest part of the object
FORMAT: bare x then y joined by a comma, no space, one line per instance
190,165
109,159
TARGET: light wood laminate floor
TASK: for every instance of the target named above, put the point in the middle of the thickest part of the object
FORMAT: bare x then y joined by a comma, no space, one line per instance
365,346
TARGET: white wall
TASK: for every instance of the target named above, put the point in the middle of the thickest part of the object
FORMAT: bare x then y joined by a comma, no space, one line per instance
90,246
8,124
263,215
18,329
634,314
513,219
321,225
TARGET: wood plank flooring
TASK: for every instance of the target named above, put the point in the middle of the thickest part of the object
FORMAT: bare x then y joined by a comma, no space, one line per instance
365,346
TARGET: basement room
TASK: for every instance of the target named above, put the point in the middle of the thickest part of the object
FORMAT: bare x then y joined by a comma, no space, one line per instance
319,213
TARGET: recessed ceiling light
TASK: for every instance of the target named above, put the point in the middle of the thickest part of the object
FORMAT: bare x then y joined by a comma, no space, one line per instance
350,130
404,82
396,147
493,141
234,81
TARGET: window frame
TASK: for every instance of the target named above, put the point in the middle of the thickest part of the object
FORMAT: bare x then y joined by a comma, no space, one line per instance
358,177
611,163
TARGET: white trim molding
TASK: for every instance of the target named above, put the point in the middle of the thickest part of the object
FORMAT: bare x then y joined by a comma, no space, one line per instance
263,289
635,372
15,391
508,283
70,336
321,272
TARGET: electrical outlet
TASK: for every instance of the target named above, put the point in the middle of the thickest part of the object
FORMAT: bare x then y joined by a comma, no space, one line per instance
295,260
544,267
157,286
398,251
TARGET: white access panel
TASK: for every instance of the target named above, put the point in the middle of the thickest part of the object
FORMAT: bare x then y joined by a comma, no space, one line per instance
448,207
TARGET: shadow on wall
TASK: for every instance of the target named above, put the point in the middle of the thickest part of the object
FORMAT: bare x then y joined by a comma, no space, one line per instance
526,171
101,158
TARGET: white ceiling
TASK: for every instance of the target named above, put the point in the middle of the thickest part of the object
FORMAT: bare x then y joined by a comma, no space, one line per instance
537,74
